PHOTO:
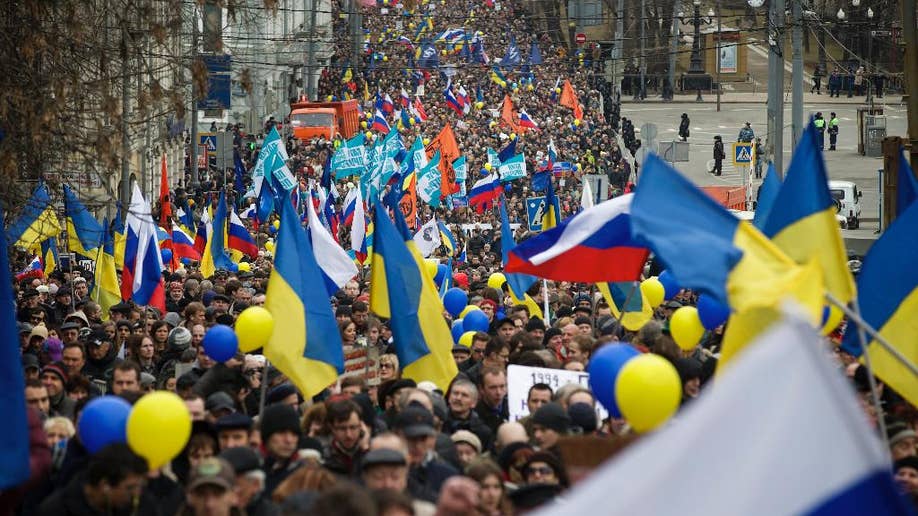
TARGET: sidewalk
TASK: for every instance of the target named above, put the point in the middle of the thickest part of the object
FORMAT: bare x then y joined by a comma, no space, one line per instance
761,98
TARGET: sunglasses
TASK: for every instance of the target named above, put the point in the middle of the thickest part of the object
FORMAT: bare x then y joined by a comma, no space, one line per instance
541,470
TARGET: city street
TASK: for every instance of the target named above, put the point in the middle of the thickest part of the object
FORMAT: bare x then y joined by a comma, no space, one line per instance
843,164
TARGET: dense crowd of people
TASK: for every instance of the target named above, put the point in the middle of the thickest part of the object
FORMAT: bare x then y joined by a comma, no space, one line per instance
384,444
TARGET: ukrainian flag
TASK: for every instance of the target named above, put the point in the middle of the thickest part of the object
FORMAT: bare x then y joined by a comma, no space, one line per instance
402,291
705,247
516,283
106,290
906,186
768,192
626,303
888,286
552,215
306,345
83,231
49,255
447,239
120,239
214,256
802,220
37,222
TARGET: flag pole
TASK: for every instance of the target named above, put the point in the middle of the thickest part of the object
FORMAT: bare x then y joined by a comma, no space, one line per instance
855,316
264,387
874,393
545,303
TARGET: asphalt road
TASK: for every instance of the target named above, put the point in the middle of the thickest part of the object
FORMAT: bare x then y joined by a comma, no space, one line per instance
843,164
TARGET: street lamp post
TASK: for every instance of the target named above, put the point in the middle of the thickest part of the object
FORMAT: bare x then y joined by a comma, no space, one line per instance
870,59
696,77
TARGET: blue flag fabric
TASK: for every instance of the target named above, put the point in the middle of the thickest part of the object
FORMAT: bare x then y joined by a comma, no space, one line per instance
239,169
512,57
907,188
14,439
768,192
518,283
535,55
507,152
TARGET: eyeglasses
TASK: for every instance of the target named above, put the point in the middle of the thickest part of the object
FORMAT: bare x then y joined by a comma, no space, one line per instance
386,366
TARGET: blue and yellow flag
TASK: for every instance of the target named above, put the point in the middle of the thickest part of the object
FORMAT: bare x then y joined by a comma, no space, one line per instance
402,291
702,244
888,288
306,344
14,440
768,192
106,291
446,238
906,186
214,256
83,231
552,215
802,221
48,255
626,303
120,238
37,222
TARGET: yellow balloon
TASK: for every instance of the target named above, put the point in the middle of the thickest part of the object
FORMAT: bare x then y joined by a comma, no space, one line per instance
426,141
411,121
686,328
530,87
512,136
385,58
488,167
244,267
653,291
497,280
577,122
269,246
479,104
253,328
363,125
467,309
369,135
648,391
466,338
557,90
329,98
431,264
834,319
158,427
276,224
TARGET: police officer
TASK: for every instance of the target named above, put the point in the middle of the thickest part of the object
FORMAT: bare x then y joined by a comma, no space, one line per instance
746,134
719,155
684,127
833,131
820,124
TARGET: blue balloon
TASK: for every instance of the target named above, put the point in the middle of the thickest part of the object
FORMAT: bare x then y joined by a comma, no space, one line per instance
186,261
475,320
455,300
103,422
457,330
670,286
220,343
712,312
442,271
499,315
167,255
604,367
484,172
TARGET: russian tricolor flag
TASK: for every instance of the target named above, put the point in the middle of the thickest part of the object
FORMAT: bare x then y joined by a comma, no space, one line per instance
527,122
484,192
404,99
32,270
417,109
183,244
463,97
238,237
379,122
387,105
142,277
452,101
593,246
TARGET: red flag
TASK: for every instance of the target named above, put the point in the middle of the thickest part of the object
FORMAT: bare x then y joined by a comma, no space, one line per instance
445,142
569,100
508,115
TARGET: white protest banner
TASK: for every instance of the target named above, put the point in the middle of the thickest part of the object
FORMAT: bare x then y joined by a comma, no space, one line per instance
513,168
521,378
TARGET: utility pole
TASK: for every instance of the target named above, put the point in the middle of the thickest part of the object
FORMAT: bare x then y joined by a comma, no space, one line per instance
776,84
643,65
797,73
674,49
356,36
619,42
911,73
193,147
719,40
125,108
311,54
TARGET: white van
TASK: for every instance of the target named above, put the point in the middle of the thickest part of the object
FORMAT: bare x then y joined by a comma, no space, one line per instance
847,196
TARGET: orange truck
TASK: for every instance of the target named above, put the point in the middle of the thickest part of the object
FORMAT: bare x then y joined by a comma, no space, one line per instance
324,119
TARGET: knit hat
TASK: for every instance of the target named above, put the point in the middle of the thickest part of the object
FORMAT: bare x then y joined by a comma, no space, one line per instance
278,418
535,324
897,432
549,333
57,369
464,436
552,416
173,319
461,279
906,462
280,392
54,348
179,339
583,415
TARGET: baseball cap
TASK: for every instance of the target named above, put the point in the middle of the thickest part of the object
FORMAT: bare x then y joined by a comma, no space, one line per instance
242,458
219,401
212,471
415,421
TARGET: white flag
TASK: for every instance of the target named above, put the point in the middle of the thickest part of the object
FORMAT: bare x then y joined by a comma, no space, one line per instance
428,238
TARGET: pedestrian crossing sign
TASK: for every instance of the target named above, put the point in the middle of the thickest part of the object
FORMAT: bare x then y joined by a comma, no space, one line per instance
535,209
742,153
